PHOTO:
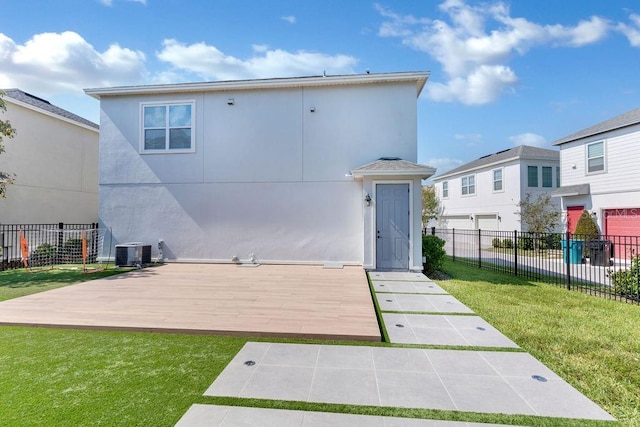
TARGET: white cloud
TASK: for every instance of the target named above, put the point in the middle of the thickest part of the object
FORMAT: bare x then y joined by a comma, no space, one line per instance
586,32
69,63
632,32
209,62
531,139
481,86
470,138
110,2
290,19
475,43
443,164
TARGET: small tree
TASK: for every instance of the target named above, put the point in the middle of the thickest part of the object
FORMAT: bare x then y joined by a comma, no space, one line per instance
430,204
587,230
434,253
539,215
6,131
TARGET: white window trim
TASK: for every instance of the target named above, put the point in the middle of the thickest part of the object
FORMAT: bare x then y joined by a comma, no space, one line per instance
493,180
448,189
474,185
604,157
190,102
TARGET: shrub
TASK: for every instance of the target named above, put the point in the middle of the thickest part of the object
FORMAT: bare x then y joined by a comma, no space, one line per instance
43,255
434,253
72,250
525,242
587,230
626,283
552,241
496,242
507,243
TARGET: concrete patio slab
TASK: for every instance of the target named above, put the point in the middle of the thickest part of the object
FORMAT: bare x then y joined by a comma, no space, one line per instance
412,287
236,416
269,300
431,329
477,381
421,303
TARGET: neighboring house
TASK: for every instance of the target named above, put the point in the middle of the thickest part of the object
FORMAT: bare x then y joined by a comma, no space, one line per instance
484,194
599,167
54,156
291,170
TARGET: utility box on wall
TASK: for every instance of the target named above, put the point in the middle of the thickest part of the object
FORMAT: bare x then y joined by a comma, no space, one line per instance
133,254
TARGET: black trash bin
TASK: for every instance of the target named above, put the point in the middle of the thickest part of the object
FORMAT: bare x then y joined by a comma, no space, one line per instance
600,252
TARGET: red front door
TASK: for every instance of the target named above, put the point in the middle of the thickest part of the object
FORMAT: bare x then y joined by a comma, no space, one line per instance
573,216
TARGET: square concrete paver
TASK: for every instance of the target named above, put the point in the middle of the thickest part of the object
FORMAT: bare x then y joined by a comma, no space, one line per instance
433,329
410,287
237,416
486,382
421,303
398,275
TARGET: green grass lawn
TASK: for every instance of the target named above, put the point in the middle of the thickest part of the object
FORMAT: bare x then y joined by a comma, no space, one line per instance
592,343
72,377
21,282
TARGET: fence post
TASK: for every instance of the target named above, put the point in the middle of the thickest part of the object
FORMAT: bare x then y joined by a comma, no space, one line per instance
433,231
60,243
453,243
479,248
515,252
567,259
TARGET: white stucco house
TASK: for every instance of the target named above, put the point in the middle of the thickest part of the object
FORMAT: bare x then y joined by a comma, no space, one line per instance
484,193
599,168
317,170
54,156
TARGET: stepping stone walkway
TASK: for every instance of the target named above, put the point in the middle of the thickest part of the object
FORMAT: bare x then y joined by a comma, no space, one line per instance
414,310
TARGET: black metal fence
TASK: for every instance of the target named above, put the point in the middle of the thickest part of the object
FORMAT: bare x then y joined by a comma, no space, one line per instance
607,266
48,243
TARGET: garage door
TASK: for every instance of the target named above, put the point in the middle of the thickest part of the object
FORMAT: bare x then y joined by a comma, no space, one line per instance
487,222
459,222
623,227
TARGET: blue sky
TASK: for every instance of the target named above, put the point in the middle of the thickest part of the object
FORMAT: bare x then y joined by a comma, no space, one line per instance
502,73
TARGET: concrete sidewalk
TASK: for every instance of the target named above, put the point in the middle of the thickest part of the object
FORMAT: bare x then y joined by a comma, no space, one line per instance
497,380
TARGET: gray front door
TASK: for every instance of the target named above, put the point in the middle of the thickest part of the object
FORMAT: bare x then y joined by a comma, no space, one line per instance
392,227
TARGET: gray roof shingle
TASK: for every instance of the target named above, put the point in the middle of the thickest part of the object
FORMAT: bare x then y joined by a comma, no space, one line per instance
45,105
629,118
393,166
519,152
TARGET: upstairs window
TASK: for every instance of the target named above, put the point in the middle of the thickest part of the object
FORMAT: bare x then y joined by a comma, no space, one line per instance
532,176
595,157
497,180
468,185
558,176
445,189
167,127
547,176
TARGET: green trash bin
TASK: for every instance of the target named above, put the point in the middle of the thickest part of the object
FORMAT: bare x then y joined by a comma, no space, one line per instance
572,252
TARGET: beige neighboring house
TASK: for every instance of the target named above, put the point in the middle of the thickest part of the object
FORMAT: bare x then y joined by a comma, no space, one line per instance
54,156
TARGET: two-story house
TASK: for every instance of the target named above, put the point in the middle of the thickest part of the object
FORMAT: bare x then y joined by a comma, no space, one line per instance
54,156
484,193
290,170
599,174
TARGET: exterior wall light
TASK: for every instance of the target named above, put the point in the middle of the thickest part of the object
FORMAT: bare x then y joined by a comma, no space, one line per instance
367,199
231,101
